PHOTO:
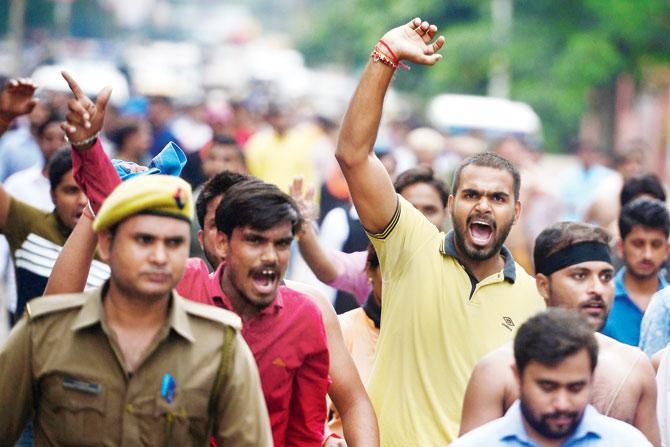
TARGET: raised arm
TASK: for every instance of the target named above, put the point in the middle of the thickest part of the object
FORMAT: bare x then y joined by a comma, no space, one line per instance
73,264
369,183
16,99
92,169
317,258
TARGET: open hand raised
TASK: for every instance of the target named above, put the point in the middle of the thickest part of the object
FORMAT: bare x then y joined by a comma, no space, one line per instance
304,199
16,99
84,118
413,41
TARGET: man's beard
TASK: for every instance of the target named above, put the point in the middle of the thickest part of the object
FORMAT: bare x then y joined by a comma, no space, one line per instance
481,254
542,425
642,276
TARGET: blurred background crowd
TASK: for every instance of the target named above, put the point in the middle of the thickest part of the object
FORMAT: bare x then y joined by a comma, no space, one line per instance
575,93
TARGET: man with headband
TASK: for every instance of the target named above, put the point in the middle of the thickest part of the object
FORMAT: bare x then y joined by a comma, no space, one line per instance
133,362
574,271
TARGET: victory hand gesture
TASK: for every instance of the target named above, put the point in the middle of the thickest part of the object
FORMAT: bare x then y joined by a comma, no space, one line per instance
84,118
414,42
304,199
16,99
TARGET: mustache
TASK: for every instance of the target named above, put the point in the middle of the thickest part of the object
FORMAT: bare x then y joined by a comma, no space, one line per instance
482,217
594,300
557,414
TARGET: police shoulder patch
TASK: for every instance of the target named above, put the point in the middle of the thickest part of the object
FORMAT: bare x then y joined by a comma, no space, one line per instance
54,303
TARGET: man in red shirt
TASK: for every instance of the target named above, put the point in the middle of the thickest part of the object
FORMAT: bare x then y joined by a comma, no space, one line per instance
284,329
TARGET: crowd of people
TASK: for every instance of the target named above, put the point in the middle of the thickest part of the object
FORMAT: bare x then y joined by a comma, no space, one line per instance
241,279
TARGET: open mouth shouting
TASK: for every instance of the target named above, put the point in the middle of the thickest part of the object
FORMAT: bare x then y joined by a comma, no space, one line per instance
481,230
265,279
594,308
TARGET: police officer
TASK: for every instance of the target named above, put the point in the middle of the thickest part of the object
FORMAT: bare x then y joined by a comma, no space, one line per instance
133,362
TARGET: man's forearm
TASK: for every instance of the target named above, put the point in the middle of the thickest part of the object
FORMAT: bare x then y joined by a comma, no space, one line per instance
315,256
361,122
94,173
359,423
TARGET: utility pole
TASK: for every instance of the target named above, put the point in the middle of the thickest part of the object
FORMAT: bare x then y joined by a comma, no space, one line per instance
502,12
17,13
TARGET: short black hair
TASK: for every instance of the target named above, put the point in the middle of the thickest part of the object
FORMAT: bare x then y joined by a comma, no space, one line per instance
213,188
230,144
226,139
53,117
553,335
59,165
488,160
258,205
422,174
643,211
564,234
120,135
646,184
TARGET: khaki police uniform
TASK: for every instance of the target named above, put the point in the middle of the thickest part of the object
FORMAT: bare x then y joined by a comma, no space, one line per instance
62,366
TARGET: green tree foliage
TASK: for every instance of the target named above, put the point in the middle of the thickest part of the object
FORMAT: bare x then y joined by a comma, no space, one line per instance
559,51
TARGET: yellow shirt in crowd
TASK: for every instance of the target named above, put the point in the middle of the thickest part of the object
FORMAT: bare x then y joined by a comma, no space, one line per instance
437,322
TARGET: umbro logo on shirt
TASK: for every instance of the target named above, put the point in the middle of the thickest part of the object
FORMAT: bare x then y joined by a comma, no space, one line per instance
508,323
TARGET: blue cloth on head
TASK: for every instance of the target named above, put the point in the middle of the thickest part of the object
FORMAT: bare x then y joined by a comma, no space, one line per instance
170,161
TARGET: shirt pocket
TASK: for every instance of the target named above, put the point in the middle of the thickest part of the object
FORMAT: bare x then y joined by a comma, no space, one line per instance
72,410
182,422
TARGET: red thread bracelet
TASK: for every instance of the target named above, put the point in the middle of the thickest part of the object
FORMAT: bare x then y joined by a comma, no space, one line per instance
396,60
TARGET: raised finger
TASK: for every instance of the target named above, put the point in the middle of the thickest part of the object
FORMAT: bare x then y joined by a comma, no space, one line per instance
73,85
415,23
432,29
296,186
101,100
77,107
438,44
311,192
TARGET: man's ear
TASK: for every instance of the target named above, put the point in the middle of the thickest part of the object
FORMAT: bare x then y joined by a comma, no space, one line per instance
200,239
619,248
105,240
517,211
542,284
450,203
517,374
222,243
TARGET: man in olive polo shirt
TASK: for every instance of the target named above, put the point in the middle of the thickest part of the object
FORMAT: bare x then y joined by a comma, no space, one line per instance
133,362
447,299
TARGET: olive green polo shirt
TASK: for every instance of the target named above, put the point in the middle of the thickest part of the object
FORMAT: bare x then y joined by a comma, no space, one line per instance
62,366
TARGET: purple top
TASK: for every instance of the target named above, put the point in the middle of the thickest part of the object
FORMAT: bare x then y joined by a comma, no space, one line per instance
351,275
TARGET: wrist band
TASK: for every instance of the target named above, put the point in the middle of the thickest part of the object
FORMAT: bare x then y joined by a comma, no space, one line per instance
81,143
395,58
378,56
